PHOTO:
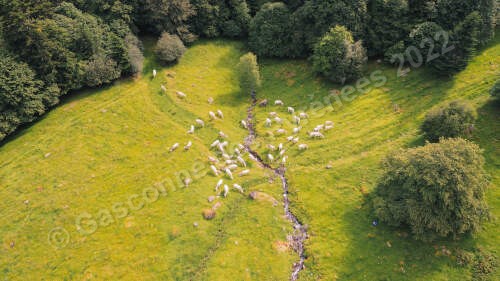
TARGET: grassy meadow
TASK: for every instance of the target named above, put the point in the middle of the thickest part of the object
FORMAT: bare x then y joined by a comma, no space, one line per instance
100,147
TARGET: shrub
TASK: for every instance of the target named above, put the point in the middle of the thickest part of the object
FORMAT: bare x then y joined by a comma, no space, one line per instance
437,190
169,48
249,75
337,57
484,265
453,120
270,31
100,70
135,56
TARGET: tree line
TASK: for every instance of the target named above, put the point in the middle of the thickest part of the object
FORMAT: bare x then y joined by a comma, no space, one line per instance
51,47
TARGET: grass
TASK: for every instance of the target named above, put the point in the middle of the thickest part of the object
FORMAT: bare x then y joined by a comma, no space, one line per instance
102,146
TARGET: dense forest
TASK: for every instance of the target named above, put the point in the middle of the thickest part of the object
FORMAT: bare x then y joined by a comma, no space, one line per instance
51,47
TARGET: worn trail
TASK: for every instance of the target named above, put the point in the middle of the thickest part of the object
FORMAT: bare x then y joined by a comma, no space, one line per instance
299,235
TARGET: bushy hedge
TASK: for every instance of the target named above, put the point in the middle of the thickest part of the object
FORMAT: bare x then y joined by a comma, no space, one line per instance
436,190
338,57
169,48
456,119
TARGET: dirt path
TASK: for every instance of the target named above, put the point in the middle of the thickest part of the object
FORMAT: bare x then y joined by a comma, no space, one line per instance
299,235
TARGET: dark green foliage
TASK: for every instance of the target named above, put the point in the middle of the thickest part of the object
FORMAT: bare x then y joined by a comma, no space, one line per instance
465,39
220,17
22,96
270,31
387,25
316,17
437,190
484,264
100,70
453,120
495,90
165,15
169,48
337,57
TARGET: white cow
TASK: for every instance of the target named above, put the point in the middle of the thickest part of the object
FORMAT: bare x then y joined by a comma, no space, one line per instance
303,146
191,130
200,122
244,124
281,131
226,190
291,110
212,115
220,114
270,157
303,115
174,147
244,173
219,184
215,143
181,95
214,169
242,161
296,130
154,73
228,173
278,120
238,187
296,120
279,102
268,122
163,88
188,145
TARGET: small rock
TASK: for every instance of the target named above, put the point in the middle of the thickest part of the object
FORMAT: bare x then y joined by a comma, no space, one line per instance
329,167
216,206
211,199
210,100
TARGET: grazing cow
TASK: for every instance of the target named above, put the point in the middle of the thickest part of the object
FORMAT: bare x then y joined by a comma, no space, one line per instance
280,146
187,182
220,114
296,130
226,190
281,131
219,184
154,73
229,162
213,159
240,146
215,143
268,122
191,130
273,114
181,95
242,161
278,102
252,157
284,160
214,169
238,187
316,135
210,100
270,157
329,123
263,103
244,173
221,148
282,152
290,138
296,120
303,115
278,120
163,88
225,156
228,173
232,167
328,128
295,140
212,115
174,147
271,147
303,146
244,124
237,151
188,145
222,135
291,110
200,122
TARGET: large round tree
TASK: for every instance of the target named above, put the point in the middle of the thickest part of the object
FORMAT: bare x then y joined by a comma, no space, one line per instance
337,57
456,119
437,190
